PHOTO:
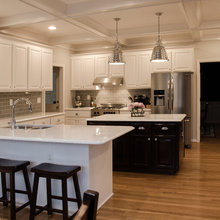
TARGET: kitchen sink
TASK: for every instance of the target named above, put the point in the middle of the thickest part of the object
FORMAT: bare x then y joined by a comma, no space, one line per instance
31,126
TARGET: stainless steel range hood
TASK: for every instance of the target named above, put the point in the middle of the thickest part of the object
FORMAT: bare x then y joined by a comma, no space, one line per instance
108,81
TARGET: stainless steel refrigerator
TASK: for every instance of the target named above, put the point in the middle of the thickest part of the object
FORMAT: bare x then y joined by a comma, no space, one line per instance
171,94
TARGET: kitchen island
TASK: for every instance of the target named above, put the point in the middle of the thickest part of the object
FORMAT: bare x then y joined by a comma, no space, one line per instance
154,146
87,146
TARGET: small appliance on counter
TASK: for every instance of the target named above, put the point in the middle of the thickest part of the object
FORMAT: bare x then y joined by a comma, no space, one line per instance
142,98
78,102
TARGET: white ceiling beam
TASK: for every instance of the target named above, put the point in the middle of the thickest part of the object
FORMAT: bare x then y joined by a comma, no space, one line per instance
192,13
24,19
98,6
210,25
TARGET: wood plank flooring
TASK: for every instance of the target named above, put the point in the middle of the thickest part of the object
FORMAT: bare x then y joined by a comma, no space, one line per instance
192,194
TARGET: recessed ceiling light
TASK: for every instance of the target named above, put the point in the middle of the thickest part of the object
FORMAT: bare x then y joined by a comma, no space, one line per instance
52,28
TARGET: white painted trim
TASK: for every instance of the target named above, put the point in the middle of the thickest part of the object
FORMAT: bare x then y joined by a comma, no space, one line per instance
63,75
198,110
195,140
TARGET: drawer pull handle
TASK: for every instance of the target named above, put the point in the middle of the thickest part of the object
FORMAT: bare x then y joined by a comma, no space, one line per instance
155,139
164,128
76,113
141,128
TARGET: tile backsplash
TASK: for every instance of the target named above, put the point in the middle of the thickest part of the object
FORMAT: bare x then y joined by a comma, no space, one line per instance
103,96
21,107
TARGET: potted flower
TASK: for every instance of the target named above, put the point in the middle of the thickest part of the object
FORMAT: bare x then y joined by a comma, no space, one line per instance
137,109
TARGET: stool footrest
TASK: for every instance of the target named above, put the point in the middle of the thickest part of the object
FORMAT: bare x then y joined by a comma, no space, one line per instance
45,208
22,206
60,198
18,191
4,200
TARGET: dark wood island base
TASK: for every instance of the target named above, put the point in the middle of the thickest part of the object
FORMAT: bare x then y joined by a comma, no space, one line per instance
152,147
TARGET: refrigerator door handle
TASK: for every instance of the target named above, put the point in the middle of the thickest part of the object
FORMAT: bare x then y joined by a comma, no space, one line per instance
172,93
168,97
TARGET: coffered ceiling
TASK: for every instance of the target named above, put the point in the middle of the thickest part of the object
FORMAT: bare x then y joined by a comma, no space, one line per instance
88,25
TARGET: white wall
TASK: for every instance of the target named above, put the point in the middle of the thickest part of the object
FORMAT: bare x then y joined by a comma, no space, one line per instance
62,57
206,51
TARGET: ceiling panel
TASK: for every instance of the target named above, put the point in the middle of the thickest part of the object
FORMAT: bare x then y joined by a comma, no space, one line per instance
210,10
141,17
14,7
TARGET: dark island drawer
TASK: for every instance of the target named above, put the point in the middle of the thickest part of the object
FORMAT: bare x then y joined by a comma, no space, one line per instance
165,128
141,128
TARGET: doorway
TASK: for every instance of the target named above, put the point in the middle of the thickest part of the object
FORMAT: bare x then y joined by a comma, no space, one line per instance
54,98
209,100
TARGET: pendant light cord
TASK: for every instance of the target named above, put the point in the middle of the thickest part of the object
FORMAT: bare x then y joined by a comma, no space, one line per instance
116,30
158,24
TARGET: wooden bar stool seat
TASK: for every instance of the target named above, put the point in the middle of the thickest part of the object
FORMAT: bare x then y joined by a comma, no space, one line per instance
60,172
11,167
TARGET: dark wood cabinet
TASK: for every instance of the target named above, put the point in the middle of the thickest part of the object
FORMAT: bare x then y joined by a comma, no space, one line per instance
151,147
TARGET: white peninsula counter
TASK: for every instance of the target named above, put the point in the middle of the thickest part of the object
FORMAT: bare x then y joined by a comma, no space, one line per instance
87,146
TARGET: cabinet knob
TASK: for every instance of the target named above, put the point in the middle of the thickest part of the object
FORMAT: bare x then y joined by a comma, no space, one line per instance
164,128
76,113
141,128
148,139
155,139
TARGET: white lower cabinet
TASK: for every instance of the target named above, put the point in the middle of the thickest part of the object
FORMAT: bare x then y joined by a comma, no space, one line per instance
77,116
57,120
42,121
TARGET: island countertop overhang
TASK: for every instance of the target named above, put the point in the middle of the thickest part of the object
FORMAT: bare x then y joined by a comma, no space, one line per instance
70,134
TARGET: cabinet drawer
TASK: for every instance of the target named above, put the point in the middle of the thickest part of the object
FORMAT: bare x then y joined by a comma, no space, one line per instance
78,114
165,128
141,128
57,120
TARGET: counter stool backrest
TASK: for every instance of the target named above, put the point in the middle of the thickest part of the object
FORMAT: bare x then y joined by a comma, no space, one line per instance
88,209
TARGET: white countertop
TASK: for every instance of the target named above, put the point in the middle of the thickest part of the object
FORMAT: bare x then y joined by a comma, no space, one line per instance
29,117
73,134
79,108
146,118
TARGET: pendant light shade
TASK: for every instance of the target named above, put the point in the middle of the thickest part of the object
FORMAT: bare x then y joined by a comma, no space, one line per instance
116,59
159,53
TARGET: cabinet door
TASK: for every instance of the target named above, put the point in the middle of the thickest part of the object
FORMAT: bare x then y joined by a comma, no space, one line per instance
144,74
162,66
5,65
47,69
19,67
57,120
76,70
121,153
101,65
183,60
88,72
141,153
131,71
165,152
34,68
42,121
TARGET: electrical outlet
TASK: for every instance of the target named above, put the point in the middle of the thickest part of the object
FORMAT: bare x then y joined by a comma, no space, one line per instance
10,101
38,99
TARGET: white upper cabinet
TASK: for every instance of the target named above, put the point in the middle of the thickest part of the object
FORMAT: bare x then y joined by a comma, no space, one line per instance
162,66
34,68
116,70
101,65
47,69
20,67
5,65
183,59
82,72
137,70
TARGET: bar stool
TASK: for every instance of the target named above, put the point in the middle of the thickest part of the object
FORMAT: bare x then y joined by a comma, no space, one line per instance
60,172
11,167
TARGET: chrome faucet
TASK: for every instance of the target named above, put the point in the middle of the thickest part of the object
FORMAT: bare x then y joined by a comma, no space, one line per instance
28,102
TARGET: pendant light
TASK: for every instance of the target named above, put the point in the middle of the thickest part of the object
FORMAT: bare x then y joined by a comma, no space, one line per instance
116,59
159,53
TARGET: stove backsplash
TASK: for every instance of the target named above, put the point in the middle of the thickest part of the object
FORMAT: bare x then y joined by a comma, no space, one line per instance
109,95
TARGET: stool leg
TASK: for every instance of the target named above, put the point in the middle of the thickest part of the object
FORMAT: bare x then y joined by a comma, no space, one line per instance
4,192
34,197
64,198
12,196
27,184
77,190
49,200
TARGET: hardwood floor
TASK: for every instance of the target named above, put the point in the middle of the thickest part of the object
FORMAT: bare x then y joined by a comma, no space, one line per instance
192,194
